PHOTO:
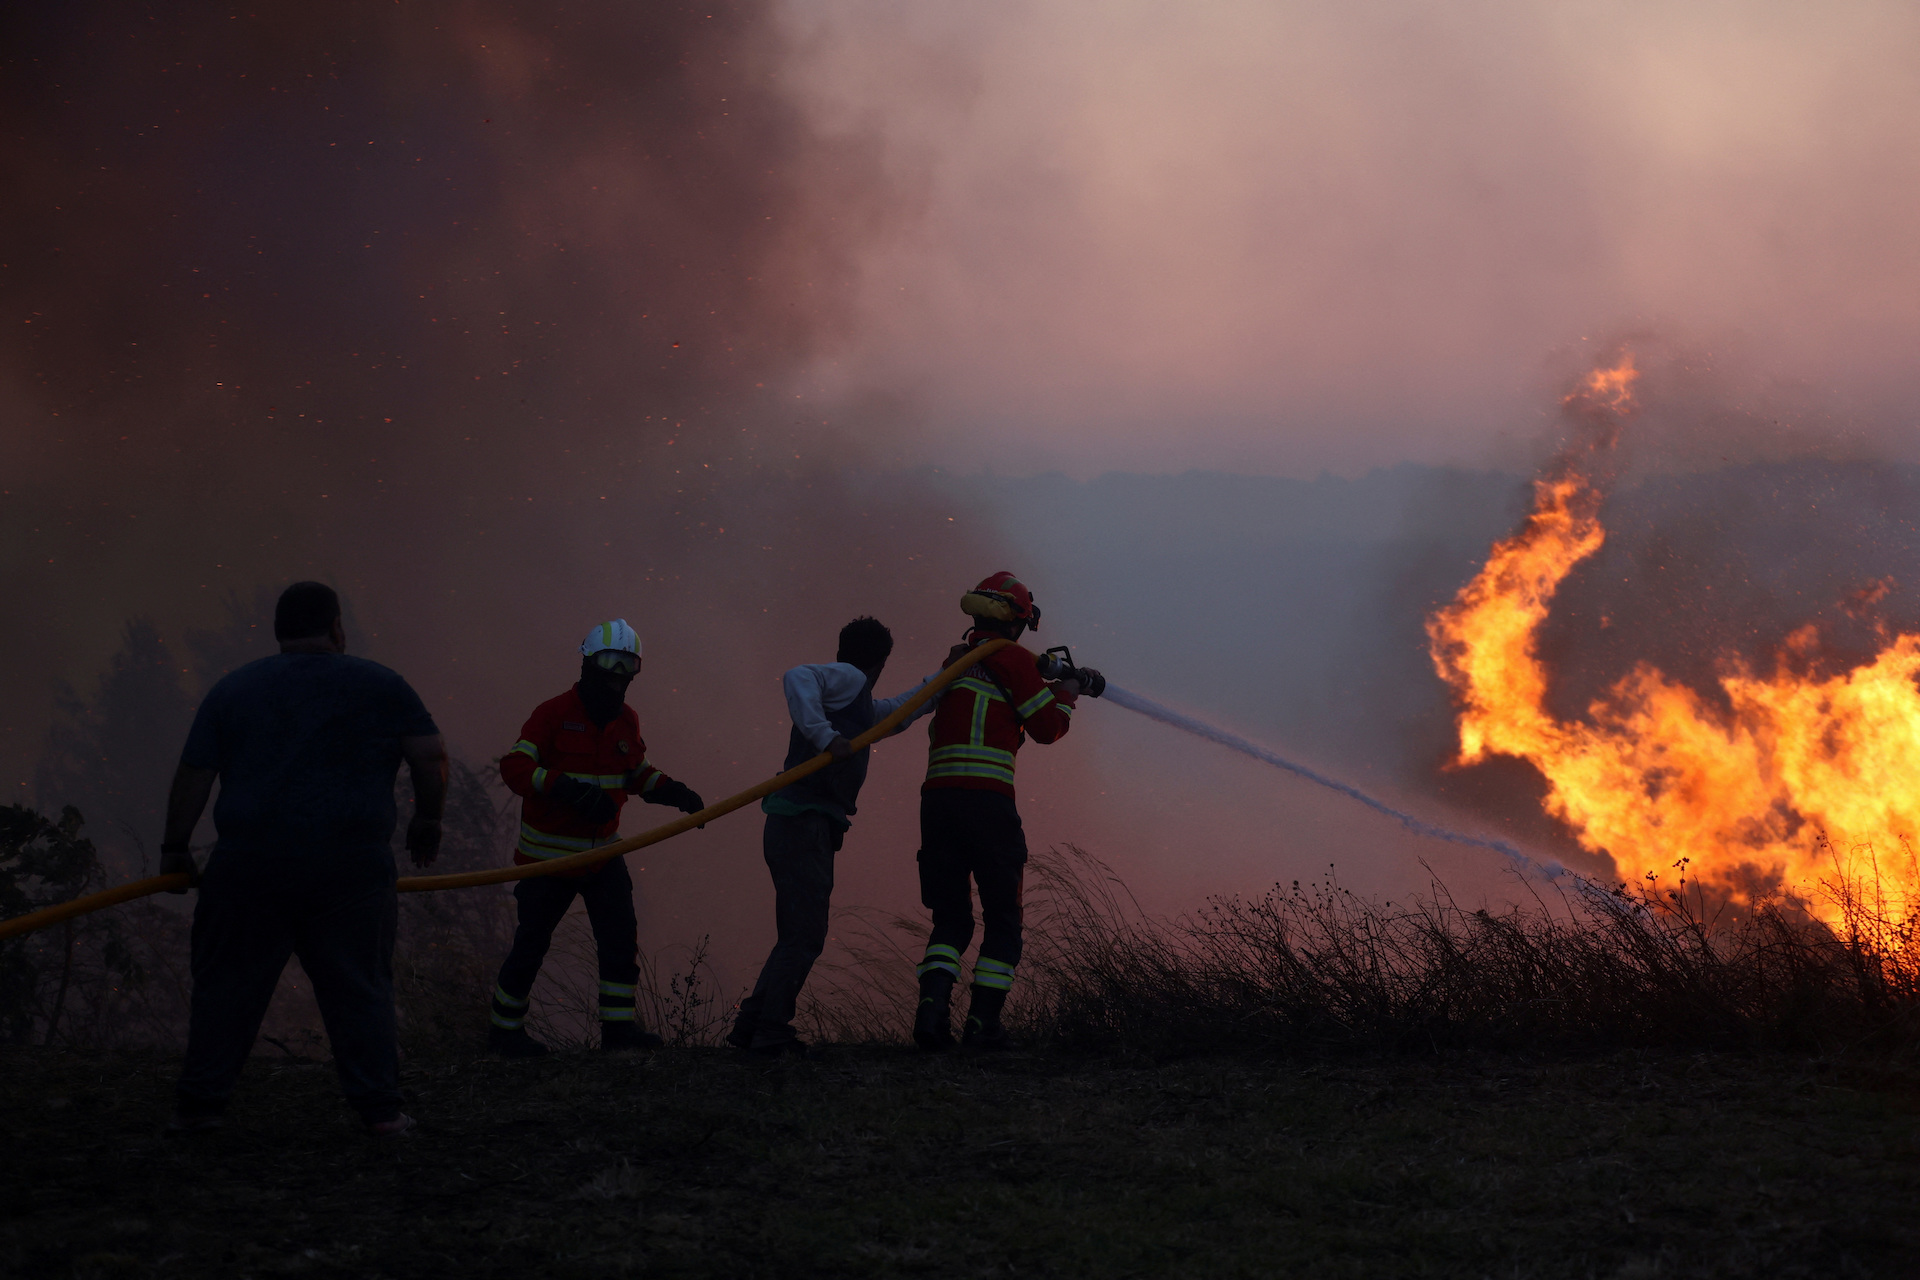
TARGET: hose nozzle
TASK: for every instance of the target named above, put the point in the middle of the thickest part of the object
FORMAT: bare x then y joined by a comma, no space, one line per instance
1057,664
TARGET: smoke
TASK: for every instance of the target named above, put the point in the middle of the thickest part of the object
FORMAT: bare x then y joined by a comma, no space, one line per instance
1281,236
482,312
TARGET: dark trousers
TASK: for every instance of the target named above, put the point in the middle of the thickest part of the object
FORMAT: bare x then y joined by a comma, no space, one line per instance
799,852
544,900
975,836
245,925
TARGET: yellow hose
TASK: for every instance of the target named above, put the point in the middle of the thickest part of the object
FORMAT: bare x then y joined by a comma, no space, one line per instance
592,857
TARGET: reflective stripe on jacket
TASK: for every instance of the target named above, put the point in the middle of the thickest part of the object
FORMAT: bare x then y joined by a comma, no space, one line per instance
983,716
558,740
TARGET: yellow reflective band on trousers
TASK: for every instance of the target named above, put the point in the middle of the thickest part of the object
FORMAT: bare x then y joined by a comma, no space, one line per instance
543,845
940,957
996,974
616,1002
508,1012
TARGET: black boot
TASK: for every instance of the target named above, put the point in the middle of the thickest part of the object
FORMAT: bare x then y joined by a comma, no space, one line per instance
983,1031
933,1021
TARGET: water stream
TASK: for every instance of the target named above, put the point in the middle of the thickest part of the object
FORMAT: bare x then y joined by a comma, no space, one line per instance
1233,741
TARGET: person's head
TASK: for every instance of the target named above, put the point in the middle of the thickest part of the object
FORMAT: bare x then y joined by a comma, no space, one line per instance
1002,605
866,644
307,620
609,660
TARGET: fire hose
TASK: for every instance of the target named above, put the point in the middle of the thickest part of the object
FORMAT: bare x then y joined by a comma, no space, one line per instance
592,857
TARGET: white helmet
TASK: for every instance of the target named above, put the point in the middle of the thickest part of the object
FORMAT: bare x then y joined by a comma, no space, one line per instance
615,636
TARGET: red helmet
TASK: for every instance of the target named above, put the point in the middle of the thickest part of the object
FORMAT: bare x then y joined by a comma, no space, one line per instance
1002,598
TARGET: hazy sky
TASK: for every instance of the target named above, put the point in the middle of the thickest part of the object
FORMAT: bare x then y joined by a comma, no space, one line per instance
1280,235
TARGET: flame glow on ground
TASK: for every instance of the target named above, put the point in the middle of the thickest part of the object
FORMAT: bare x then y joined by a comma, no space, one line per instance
1811,782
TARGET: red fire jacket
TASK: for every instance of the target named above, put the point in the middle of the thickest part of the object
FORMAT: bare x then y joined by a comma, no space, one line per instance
982,717
558,739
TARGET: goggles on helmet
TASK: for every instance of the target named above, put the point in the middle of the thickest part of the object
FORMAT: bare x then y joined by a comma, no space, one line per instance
617,661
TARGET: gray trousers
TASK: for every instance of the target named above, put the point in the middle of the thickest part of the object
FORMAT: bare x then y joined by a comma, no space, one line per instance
799,852
246,924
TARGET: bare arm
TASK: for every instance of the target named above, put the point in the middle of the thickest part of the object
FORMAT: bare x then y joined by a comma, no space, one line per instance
427,769
186,801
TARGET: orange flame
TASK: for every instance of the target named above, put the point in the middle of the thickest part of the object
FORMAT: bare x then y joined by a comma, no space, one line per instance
1654,776
1611,389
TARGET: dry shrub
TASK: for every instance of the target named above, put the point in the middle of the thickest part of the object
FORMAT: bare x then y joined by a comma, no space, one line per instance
1318,968
674,998
863,989
113,978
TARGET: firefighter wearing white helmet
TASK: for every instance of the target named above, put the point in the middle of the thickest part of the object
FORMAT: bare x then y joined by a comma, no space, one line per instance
580,755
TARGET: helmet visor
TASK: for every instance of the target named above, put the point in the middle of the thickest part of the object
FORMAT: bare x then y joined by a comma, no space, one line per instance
617,662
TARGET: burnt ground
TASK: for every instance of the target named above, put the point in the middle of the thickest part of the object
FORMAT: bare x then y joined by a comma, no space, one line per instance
872,1162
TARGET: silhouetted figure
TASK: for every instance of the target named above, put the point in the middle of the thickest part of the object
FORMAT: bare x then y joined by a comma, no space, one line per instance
831,703
305,745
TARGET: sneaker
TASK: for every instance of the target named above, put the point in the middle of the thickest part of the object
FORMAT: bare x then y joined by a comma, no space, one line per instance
398,1124
620,1037
744,1024
514,1044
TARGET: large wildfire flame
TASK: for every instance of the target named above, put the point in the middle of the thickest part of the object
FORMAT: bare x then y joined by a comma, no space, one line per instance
1808,781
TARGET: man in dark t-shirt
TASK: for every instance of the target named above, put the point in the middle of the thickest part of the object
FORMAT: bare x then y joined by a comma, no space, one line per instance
305,745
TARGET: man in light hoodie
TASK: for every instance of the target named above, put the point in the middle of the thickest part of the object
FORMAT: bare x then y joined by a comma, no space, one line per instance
831,703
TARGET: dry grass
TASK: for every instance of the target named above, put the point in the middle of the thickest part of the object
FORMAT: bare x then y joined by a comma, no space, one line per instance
1316,968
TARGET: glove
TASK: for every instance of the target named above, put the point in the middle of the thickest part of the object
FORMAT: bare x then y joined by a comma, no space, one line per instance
678,794
589,803
1092,683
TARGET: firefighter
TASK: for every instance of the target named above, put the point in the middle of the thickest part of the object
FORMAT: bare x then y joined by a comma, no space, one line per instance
579,757
831,704
970,834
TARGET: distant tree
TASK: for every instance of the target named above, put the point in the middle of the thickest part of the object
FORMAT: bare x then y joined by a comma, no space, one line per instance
74,965
112,754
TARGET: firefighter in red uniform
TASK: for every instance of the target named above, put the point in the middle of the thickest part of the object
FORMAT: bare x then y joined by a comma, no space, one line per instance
969,826
579,757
